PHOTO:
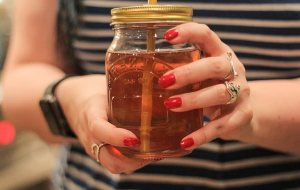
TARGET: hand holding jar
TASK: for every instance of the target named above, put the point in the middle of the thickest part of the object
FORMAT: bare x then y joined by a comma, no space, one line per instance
226,96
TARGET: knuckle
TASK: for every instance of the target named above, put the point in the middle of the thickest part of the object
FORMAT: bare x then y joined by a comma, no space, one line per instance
187,73
248,114
246,90
207,30
242,69
216,66
191,101
219,129
92,127
221,93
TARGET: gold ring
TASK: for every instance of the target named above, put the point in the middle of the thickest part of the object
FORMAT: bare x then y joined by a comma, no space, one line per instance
97,149
232,70
233,90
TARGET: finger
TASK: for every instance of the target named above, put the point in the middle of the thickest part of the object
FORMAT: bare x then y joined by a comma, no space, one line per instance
200,34
220,127
104,131
201,70
117,163
207,97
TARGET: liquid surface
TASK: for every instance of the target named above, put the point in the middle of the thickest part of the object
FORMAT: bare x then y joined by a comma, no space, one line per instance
134,97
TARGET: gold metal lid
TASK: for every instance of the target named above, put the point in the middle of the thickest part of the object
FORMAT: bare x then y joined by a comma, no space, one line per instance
151,14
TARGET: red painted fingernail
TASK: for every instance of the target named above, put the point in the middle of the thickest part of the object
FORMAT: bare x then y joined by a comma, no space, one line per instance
186,143
171,34
167,80
172,103
131,142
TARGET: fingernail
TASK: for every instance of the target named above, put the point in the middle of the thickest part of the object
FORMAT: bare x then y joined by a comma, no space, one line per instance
131,142
172,103
171,34
167,80
186,143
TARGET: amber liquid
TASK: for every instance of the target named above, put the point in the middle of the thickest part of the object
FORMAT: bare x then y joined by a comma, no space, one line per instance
125,81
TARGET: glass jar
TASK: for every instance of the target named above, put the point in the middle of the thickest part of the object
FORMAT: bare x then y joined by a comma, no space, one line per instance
137,57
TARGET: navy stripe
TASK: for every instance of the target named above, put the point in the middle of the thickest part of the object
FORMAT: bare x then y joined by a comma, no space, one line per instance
256,30
94,39
267,57
255,15
159,186
89,171
96,25
267,45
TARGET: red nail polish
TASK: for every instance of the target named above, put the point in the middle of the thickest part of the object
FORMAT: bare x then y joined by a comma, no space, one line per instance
172,103
171,34
167,80
131,142
186,143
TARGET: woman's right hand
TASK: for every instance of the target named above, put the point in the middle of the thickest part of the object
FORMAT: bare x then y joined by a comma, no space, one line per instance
84,102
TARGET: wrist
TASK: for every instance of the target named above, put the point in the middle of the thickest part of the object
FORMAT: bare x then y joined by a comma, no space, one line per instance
53,113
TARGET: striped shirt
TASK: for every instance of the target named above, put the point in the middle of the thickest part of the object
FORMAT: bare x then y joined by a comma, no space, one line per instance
265,35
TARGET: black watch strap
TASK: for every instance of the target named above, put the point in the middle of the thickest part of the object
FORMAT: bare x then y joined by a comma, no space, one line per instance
53,113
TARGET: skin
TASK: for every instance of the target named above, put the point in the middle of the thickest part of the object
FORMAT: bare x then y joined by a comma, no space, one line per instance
33,62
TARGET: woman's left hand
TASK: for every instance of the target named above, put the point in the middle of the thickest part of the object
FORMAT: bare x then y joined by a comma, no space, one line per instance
228,121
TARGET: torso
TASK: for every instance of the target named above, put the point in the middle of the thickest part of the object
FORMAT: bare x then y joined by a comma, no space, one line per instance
265,35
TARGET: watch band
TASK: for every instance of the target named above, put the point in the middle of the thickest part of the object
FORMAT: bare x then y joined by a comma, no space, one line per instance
51,88
53,113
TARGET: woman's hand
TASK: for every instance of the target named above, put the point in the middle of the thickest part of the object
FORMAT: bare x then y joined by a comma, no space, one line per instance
84,102
228,121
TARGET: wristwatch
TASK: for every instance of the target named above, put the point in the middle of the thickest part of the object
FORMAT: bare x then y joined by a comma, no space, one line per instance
53,113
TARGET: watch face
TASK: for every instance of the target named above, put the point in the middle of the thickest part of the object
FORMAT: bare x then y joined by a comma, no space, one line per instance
50,116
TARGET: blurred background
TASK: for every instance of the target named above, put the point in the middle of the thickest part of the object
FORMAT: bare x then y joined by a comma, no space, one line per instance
26,162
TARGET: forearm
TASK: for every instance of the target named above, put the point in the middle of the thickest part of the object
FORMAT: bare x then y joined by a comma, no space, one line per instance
23,86
276,121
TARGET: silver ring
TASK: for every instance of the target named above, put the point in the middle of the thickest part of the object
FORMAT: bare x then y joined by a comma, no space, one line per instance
233,90
232,70
97,149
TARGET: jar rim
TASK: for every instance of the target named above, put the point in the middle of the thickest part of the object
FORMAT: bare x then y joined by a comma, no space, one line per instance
151,14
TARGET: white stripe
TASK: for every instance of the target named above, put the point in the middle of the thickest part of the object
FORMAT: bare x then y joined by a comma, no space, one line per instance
95,33
172,179
217,166
91,56
91,45
275,64
216,147
96,18
92,67
259,37
203,6
248,22
272,74
265,51
71,185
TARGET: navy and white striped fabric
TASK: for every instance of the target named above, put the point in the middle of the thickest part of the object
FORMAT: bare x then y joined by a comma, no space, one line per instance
265,35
